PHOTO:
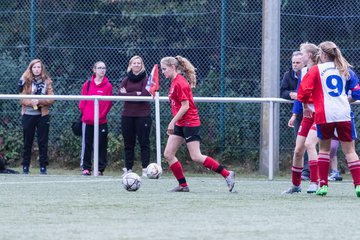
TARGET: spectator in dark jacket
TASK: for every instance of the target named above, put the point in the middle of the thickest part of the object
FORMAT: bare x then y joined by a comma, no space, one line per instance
136,116
291,77
288,90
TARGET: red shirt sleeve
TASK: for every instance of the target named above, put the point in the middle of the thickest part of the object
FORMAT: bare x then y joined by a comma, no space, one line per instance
307,85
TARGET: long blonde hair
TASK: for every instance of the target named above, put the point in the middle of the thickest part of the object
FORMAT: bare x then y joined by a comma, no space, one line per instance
313,50
28,75
184,66
334,54
132,59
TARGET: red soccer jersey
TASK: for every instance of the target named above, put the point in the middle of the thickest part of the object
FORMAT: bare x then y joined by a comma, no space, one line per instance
180,91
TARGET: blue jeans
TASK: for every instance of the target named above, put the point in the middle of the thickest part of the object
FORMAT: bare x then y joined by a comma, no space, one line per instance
297,122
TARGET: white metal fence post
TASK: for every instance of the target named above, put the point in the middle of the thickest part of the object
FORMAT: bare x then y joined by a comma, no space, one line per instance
271,140
158,129
96,137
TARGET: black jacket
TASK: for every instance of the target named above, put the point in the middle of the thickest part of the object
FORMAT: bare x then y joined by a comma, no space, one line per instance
288,84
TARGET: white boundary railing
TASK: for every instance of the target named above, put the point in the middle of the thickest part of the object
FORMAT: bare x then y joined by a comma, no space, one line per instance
157,100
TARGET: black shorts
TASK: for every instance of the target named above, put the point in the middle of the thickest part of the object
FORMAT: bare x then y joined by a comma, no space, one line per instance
188,133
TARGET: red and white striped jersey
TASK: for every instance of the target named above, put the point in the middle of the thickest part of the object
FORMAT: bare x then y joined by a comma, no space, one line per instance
328,90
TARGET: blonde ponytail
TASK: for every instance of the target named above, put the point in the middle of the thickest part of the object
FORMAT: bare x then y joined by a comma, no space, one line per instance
188,69
334,54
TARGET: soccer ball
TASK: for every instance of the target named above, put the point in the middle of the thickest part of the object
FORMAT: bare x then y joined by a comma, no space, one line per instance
131,182
153,171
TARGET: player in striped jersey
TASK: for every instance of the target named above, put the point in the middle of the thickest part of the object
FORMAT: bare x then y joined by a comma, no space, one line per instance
328,84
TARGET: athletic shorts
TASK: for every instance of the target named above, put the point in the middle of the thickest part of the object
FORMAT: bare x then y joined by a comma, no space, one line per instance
345,131
188,133
306,125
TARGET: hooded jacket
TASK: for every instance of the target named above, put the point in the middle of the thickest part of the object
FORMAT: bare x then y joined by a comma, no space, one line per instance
87,106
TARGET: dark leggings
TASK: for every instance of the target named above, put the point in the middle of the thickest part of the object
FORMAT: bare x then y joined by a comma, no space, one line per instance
40,125
139,127
87,146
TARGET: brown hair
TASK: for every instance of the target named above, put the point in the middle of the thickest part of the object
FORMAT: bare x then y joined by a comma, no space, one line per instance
28,75
184,66
334,54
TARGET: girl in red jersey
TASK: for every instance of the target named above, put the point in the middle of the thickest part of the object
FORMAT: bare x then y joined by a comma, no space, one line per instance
306,138
329,83
185,125
99,85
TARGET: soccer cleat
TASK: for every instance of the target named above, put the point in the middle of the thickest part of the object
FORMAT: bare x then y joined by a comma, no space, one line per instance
101,173
230,180
312,188
43,171
86,172
180,189
322,191
292,189
335,176
25,170
357,190
144,174
305,177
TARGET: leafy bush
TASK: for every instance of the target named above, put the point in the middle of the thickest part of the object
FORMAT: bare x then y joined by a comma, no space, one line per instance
69,150
12,144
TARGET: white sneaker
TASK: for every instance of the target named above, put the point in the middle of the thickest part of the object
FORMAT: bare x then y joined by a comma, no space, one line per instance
335,176
144,172
313,187
125,171
230,180
180,189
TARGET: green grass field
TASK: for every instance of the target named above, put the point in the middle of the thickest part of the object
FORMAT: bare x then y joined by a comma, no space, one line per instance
76,207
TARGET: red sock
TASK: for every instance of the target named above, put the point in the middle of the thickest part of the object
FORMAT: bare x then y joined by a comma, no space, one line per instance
314,173
177,170
296,175
213,165
323,166
355,171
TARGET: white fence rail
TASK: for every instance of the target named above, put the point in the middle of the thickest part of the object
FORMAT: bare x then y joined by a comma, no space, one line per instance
157,100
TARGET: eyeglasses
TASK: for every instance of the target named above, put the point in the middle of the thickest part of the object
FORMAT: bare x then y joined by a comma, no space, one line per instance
101,68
